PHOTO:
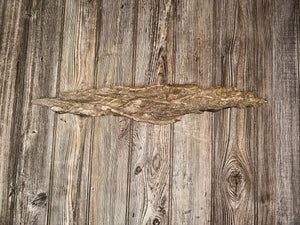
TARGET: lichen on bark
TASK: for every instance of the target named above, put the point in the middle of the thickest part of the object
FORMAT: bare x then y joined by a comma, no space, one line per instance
158,104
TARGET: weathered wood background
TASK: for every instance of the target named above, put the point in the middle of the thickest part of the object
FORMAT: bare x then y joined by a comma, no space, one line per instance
229,167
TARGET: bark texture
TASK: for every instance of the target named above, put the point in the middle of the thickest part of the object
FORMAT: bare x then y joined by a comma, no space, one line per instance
158,104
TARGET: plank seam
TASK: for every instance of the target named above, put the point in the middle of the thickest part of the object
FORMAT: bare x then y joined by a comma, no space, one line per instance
48,216
91,152
172,130
171,173
133,75
90,171
17,123
213,165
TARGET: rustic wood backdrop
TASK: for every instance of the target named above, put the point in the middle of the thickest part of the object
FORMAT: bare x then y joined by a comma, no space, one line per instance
229,167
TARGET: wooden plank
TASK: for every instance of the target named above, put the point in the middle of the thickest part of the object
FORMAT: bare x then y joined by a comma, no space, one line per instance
114,52
25,143
151,149
286,73
34,158
230,167
233,161
191,192
12,65
70,170
260,122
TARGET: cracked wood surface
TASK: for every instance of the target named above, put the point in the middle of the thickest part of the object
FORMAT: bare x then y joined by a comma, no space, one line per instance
229,167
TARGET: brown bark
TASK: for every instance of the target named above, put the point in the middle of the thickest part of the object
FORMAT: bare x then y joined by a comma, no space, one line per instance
158,104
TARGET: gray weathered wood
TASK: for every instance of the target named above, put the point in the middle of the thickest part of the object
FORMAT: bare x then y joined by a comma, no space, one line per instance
150,161
191,177
231,167
286,121
12,65
35,154
30,62
260,133
70,171
113,66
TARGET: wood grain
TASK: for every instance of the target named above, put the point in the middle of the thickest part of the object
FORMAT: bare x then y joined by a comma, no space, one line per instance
35,153
286,63
261,135
13,54
70,169
113,66
234,154
231,167
191,176
30,145
150,161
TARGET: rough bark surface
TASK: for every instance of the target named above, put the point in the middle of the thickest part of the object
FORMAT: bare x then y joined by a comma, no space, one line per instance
160,104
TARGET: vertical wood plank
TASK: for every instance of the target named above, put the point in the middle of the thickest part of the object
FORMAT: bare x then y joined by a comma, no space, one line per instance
232,177
235,131
233,194
191,192
13,46
73,134
286,105
261,135
150,164
114,52
40,74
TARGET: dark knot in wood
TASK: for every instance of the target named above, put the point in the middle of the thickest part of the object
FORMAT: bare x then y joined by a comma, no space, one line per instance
235,180
156,221
40,200
158,104
137,170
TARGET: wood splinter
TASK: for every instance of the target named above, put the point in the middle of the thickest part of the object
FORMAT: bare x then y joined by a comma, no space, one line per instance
158,104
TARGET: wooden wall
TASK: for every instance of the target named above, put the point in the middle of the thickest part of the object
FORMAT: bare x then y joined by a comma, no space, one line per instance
229,167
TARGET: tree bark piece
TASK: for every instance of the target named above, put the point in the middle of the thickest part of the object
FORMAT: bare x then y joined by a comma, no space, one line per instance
158,104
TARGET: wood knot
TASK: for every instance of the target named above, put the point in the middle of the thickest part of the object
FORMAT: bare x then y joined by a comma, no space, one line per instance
137,170
156,221
237,182
156,162
40,199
